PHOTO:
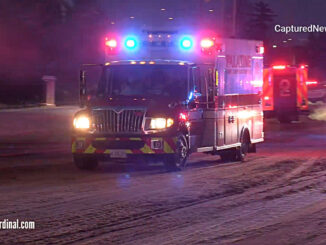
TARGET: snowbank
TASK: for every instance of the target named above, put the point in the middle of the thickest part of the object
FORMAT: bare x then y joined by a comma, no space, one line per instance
318,113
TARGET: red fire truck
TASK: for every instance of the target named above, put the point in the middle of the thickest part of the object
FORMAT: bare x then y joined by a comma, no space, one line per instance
165,95
285,92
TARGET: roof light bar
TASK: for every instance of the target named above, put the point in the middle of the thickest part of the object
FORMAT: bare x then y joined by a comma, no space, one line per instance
279,67
311,82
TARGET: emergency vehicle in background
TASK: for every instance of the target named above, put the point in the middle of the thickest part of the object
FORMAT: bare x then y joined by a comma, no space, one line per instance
285,92
164,95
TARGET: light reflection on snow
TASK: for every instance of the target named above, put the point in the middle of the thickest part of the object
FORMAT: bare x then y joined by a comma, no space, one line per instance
318,114
177,180
123,180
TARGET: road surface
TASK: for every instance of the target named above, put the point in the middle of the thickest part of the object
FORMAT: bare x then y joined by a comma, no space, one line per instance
278,196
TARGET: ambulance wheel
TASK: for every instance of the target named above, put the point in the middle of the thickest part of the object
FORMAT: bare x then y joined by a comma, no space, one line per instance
86,162
177,161
242,151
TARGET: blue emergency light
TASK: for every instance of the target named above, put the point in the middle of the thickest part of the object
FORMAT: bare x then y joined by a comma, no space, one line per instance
130,43
186,43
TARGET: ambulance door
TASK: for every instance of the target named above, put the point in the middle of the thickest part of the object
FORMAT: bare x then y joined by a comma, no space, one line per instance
231,119
285,93
210,110
267,96
220,113
196,108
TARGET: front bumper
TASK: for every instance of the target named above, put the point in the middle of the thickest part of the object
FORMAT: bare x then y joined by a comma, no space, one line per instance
129,145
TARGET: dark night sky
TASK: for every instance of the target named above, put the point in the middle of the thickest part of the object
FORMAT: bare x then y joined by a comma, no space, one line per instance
296,12
299,12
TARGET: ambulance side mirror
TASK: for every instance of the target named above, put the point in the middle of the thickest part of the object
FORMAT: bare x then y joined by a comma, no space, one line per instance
82,88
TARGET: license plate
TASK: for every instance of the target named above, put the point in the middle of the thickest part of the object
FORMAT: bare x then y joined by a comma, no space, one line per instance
118,154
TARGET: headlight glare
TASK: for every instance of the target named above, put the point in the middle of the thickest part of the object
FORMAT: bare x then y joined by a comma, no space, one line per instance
81,122
169,122
161,123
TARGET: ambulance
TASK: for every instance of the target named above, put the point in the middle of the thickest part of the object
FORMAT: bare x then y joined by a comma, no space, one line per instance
164,95
285,92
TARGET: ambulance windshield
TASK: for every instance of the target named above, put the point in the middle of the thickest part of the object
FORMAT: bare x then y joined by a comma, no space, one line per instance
145,80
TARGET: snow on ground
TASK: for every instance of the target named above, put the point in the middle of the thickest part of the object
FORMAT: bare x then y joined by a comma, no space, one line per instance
37,129
319,112
278,196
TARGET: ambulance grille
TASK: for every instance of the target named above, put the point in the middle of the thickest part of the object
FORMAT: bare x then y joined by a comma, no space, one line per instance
118,121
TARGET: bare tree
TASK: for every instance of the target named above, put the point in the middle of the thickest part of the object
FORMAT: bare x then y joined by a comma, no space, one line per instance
261,19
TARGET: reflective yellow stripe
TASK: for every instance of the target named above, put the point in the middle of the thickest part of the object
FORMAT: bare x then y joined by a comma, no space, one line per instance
100,139
146,149
107,152
73,147
90,149
128,151
216,78
135,138
167,148
80,138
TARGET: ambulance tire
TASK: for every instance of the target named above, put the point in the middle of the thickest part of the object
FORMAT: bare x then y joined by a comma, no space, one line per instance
85,162
177,161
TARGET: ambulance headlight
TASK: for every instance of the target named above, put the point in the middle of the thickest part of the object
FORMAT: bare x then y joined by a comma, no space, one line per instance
82,122
161,123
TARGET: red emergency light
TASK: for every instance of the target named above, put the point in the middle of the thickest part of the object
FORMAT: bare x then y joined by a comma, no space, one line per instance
279,67
303,66
111,45
313,82
111,42
207,45
183,117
